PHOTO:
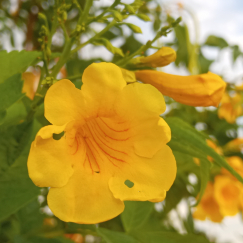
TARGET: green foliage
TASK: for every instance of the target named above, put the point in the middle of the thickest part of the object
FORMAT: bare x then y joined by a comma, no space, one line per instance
10,92
16,188
216,41
58,31
186,139
135,214
111,236
16,62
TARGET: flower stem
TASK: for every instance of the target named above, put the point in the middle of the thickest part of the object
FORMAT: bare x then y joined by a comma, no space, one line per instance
111,24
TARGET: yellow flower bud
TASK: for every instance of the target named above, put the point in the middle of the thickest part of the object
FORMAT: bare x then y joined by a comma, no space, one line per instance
160,58
196,90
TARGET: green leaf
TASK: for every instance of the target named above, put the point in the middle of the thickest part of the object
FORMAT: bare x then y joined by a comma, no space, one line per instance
16,188
236,52
115,237
168,237
188,140
216,41
10,92
38,239
205,175
135,214
30,217
15,62
204,63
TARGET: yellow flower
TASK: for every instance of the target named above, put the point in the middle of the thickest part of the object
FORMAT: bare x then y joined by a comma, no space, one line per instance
236,163
30,84
230,107
235,145
208,207
160,58
114,146
227,194
196,90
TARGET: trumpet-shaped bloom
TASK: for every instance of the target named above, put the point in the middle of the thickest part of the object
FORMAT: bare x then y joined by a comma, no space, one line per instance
113,148
230,107
208,206
160,58
196,90
227,194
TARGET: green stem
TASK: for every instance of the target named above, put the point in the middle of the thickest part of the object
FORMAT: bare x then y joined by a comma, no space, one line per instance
111,24
69,42
64,31
105,11
64,57
85,13
75,76
142,49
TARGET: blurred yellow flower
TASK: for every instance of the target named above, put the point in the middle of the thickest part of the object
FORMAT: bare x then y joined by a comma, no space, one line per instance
30,84
236,163
208,207
196,90
227,194
113,148
235,145
230,107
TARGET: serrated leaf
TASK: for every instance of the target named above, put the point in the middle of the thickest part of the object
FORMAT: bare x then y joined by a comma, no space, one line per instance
15,62
115,237
135,214
188,140
169,237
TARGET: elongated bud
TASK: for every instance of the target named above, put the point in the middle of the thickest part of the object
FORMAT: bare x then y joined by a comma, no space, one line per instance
160,58
196,90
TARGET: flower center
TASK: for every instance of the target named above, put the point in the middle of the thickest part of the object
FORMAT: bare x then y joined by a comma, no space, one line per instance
102,142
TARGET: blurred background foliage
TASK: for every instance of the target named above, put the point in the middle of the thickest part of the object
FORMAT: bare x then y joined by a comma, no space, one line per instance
24,214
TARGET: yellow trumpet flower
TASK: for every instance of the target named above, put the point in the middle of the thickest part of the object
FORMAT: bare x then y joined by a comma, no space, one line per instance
196,90
208,207
113,148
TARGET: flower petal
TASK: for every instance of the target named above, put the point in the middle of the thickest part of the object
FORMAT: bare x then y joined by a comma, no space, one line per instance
49,162
150,137
150,177
141,105
85,199
102,82
63,103
143,100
